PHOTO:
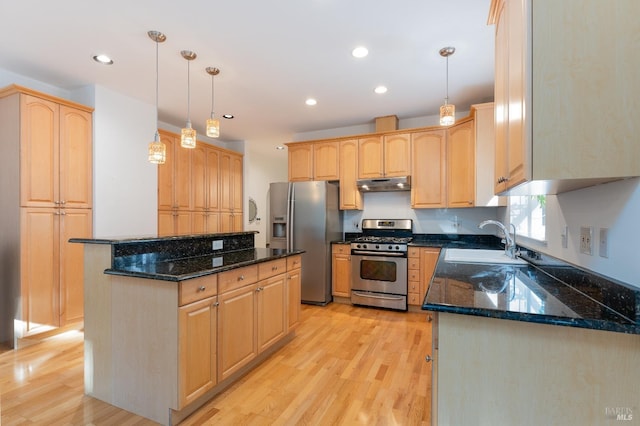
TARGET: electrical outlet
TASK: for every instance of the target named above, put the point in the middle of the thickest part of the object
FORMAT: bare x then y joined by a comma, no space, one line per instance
603,250
216,245
565,237
586,240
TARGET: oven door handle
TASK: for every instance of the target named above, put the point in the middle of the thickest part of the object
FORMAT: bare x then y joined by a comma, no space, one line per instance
379,253
373,296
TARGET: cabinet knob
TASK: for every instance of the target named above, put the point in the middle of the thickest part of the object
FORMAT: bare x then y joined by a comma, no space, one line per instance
428,358
274,268
429,318
201,288
62,213
216,304
241,278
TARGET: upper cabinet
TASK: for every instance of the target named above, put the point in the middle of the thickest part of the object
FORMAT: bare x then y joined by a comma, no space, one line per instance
300,162
461,165
56,149
428,184
350,197
565,94
384,156
326,160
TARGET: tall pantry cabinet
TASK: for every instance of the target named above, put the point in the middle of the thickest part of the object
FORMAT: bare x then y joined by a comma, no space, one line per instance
46,174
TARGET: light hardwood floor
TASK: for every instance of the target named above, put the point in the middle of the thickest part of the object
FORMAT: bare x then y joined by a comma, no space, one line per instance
346,365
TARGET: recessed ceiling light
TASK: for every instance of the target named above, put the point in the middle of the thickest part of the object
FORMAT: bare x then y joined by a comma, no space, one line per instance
311,102
227,116
360,52
103,59
380,89
279,147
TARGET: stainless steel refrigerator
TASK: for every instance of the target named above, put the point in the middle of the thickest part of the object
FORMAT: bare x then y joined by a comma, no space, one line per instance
307,216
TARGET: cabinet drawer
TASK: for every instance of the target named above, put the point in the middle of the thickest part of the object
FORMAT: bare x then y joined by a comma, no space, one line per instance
197,289
294,262
237,278
341,249
413,252
414,287
414,299
271,268
413,275
413,263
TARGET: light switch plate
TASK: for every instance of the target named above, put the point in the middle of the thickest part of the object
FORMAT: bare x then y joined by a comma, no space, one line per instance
603,250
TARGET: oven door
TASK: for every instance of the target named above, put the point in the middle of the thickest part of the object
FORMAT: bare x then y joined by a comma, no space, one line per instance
379,273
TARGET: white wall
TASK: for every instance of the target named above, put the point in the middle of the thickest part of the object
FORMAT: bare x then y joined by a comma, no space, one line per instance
8,77
615,206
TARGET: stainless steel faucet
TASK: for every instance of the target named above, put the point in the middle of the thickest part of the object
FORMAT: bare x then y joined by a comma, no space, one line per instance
510,248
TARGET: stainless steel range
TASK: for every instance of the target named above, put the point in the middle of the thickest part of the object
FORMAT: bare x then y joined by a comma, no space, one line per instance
379,263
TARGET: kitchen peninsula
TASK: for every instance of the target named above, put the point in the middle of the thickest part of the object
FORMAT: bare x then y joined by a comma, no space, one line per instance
540,343
171,322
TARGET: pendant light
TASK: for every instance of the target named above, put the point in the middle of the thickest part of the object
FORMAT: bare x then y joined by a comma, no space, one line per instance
157,150
188,134
447,111
213,124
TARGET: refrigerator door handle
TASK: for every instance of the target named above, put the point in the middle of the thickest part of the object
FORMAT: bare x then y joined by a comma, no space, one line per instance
290,214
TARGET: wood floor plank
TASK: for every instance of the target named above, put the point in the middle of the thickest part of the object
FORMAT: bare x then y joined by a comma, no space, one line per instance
347,365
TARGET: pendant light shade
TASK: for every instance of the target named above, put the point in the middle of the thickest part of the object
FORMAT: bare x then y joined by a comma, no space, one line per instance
447,111
157,150
213,124
188,134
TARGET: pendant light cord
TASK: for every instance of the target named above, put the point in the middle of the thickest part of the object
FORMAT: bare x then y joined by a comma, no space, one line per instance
157,90
189,92
212,78
446,100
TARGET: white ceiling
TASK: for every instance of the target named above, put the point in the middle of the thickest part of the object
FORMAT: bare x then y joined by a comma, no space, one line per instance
272,56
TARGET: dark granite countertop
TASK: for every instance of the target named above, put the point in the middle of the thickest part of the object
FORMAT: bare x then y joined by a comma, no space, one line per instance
152,266
546,290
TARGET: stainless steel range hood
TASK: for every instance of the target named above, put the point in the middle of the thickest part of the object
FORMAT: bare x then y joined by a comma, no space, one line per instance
401,183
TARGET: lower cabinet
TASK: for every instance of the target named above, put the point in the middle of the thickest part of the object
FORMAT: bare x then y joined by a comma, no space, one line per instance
197,348
294,290
341,270
421,266
271,315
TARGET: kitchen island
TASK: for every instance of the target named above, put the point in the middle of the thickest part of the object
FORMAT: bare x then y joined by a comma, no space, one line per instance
542,343
171,322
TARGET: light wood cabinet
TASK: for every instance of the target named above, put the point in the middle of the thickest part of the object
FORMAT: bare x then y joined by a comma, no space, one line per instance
326,160
46,174
485,153
384,156
461,165
421,264
199,190
294,290
341,270
197,349
350,197
558,115
272,310
56,150
300,162
428,185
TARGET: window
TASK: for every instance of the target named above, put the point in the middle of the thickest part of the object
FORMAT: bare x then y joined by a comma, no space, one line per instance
528,214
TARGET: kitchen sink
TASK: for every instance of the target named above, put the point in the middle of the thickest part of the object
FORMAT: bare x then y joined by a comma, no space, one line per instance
481,256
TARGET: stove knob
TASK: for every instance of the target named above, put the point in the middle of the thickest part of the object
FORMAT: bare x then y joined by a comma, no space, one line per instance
358,246
397,247
377,246
391,247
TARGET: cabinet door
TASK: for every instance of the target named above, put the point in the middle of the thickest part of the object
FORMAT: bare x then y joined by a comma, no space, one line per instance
39,254
461,166
300,162
272,310
39,150
370,157
75,158
350,197
326,161
212,224
182,179
165,223
213,179
501,105
182,222
397,155
74,223
199,177
198,222
166,174
341,265
294,297
197,351
428,185
236,185
428,260
237,339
